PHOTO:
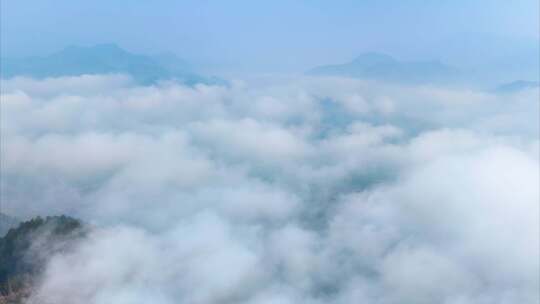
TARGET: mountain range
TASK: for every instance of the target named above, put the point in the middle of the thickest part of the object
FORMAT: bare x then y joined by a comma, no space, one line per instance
382,67
104,59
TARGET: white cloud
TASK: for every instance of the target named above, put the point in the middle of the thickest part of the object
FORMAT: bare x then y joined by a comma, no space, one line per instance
296,190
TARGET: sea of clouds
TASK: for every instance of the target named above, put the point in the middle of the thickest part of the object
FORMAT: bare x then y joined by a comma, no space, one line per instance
278,190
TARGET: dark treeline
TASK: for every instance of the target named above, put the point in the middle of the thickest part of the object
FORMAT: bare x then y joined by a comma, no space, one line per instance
24,250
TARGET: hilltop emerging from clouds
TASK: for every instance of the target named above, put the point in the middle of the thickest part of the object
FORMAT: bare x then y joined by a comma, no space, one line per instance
382,67
104,59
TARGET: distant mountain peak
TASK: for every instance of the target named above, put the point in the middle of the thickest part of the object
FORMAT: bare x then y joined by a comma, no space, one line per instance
104,48
516,86
107,58
380,66
373,58
107,46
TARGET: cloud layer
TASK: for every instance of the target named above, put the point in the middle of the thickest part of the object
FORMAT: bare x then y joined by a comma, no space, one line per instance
278,190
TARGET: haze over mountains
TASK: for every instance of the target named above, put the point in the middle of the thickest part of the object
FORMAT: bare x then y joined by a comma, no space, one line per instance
382,67
385,68
104,59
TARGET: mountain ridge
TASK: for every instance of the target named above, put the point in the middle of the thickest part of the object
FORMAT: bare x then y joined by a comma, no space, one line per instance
106,58
381,66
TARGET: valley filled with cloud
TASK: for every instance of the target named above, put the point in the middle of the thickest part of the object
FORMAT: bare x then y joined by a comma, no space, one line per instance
291,189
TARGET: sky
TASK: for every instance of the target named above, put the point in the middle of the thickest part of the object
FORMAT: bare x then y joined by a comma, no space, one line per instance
275,35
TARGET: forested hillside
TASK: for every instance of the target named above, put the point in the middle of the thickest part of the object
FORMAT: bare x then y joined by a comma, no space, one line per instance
24,251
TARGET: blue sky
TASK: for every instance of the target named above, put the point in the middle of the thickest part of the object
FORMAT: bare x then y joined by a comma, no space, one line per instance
276,35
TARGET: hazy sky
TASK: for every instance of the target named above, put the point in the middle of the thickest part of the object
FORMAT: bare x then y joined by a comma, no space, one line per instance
273,34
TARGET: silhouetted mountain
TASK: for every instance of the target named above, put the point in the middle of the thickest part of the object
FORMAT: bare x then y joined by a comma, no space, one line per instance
25,250
7,222
516,86
103,59
377,66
